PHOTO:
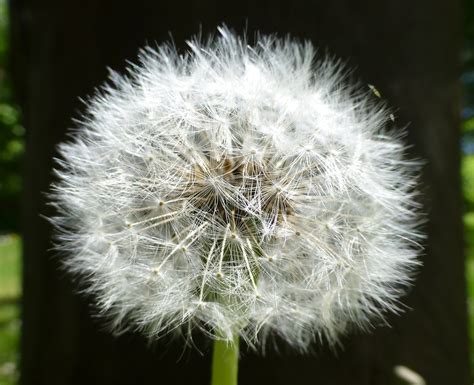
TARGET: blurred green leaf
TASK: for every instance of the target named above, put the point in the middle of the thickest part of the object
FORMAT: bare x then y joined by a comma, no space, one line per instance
11,138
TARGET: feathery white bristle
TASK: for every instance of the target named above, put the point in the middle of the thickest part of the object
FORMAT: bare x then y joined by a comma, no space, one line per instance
238,188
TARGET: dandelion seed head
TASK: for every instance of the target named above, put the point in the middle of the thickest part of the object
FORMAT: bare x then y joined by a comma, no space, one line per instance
238,188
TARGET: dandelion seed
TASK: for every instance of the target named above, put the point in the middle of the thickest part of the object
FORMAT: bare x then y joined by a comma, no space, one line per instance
238,189
375,91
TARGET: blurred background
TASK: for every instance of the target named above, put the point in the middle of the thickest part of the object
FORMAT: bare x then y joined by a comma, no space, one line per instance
419,55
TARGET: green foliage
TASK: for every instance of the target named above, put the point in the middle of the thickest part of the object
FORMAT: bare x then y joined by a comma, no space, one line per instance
11,152
467,173
11,137
10,250
469,233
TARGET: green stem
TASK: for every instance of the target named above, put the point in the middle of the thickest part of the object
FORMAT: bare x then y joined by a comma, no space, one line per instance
225,362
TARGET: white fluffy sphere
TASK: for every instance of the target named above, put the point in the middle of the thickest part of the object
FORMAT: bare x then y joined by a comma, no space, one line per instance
240,190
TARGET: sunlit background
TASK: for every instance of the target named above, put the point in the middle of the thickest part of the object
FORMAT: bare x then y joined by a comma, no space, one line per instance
467,166
11,150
